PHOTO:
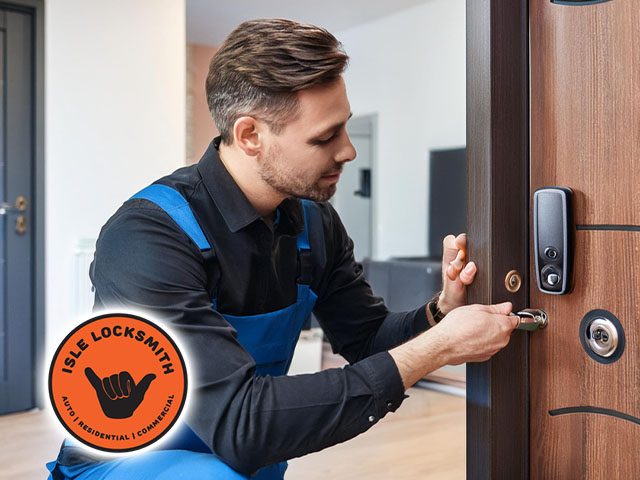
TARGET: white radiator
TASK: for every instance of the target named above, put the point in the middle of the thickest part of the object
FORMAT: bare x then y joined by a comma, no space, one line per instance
82,288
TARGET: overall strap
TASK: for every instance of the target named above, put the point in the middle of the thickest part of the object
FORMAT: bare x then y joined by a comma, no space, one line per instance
303,238
175,205
304,247
172,202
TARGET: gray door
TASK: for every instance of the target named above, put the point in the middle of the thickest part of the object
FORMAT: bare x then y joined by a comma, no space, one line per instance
16,166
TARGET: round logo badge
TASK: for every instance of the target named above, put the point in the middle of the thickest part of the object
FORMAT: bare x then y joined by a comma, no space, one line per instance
118,382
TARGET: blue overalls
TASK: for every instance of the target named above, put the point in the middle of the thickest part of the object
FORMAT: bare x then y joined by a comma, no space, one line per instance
270,338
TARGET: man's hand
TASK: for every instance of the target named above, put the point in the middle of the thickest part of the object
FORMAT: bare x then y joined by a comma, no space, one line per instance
474,333
471,333
456,273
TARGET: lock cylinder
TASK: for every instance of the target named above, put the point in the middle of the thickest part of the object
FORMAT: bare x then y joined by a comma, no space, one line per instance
602,336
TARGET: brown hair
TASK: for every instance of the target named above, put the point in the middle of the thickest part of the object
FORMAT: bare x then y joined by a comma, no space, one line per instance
262,64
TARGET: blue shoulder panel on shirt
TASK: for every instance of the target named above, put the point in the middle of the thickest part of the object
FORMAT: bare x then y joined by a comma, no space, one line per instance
178,209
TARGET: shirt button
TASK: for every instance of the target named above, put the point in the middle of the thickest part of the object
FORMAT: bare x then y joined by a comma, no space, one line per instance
372,418
389,405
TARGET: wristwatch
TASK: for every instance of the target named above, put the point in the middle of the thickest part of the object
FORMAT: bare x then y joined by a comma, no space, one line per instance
434,314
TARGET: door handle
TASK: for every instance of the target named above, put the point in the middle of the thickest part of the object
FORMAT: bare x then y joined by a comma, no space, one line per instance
531,319
20,206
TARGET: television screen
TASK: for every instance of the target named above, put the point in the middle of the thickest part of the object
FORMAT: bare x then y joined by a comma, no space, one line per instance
447,197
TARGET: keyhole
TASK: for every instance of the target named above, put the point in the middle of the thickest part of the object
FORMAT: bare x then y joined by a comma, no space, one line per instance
602,339
21,225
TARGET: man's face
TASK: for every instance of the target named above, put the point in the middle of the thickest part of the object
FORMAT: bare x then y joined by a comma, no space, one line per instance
306,158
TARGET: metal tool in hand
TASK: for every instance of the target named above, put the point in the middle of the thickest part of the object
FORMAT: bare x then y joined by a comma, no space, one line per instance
531,319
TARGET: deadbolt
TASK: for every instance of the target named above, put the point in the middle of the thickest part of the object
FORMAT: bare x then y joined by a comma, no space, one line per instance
513,281
602,337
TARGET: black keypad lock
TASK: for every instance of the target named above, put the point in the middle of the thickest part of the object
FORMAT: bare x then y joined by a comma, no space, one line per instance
553,233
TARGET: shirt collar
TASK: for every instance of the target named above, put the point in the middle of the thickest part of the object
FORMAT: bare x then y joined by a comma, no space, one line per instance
231,201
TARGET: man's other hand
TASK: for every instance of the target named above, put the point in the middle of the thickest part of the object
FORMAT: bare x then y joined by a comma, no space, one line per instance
456,273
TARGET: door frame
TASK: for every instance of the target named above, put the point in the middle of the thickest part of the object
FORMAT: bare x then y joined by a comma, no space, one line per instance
36,8
372,120
498,228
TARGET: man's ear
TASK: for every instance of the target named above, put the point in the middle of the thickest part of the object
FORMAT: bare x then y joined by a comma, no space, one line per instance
247,135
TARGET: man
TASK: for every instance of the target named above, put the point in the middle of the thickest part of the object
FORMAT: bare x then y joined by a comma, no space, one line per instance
237,280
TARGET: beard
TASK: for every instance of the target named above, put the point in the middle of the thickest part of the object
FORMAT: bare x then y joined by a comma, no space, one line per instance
287,181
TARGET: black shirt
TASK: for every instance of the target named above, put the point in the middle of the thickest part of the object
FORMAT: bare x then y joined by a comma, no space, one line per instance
144,261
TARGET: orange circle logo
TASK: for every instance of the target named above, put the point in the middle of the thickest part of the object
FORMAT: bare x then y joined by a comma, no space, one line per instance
118,382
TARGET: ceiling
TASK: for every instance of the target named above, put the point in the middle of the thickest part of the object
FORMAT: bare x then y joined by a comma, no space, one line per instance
210,21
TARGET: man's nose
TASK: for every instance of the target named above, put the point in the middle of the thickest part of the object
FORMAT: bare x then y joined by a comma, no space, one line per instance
347,151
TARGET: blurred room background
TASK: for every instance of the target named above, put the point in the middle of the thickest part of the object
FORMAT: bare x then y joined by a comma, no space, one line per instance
119,101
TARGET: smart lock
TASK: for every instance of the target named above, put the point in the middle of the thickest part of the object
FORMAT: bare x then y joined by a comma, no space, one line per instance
553,239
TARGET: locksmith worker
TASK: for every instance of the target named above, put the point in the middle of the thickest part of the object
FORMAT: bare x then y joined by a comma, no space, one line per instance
256,250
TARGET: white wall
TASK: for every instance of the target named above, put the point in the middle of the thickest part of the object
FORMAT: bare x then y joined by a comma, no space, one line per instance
114,121
409,68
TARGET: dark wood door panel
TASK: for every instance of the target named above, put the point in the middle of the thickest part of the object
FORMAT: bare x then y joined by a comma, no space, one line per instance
563,375
585,106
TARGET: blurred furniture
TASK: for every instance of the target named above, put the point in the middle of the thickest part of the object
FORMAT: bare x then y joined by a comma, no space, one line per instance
404,283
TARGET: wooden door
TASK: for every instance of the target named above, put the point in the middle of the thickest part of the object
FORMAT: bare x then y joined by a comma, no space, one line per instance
585,134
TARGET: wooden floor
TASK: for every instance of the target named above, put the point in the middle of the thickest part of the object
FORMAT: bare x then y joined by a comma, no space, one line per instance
423,439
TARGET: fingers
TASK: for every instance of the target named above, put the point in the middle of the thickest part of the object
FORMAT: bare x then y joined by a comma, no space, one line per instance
126,383
449,249
468,273
461,241
453,256
115,384
106,384
515,321
455,242
458,262
142,387
504,308
93,379
118,385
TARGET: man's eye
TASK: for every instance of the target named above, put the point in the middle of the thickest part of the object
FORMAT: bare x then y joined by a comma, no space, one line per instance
324,141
